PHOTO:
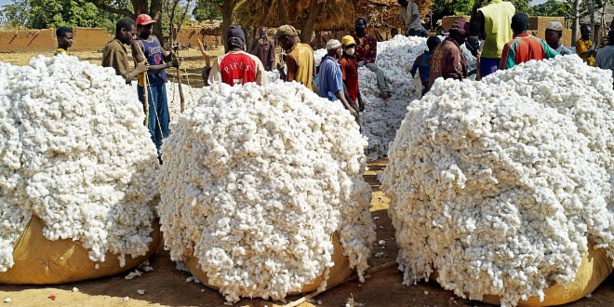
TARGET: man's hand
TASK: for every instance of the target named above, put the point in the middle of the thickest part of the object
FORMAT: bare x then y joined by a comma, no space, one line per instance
361,104
175,63
141,68
353,112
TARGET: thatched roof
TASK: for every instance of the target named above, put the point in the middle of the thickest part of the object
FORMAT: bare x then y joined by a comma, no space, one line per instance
335,14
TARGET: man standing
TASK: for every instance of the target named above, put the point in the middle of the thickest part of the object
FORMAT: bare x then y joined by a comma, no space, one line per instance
366,53
424,63
147,48
237,66
493,23
64,36
299,59
349,73
554,32
331,80
114,53
448,59
584,46
264,49
524,47
605,55
411,19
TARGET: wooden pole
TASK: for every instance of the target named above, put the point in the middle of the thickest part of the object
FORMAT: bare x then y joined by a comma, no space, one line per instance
181,99
146,96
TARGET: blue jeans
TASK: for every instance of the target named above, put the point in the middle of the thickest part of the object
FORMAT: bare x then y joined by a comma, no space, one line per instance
158,117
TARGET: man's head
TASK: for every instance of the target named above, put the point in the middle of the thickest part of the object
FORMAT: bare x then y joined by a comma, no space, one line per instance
333,48
440,30
64,35
125,30
360,26
349,45
520,23
286,36
554,32
403,3
460,30
432,42
235,37
585,31
262,32
145,24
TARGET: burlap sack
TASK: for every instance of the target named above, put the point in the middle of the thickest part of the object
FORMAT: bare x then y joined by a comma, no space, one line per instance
595,268
39,261
339,273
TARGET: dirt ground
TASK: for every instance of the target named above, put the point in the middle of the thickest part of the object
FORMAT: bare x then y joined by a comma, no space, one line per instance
166,286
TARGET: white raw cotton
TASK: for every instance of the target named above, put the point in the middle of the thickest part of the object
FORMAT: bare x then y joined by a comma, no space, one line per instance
255,182
498,185
75,153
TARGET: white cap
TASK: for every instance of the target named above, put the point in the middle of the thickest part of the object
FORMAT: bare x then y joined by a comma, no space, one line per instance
333,44
555,25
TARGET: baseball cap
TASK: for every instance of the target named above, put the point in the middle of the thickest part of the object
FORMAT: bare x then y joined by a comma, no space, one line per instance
285,30
461,27
144,19
555,25
348,40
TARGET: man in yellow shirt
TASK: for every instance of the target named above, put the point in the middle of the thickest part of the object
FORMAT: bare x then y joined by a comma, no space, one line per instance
585,47
492,23
64,36
299,60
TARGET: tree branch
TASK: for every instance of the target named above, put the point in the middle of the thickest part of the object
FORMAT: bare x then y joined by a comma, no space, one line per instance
101,5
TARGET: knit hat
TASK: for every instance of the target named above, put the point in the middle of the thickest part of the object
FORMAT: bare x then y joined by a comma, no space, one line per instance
461,27
555,25
333,44
235,36
285,30
348,40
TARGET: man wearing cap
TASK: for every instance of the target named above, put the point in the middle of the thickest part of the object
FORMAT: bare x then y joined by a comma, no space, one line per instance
264,48
331,79
411,19
114,53
448,59
299,59
554,32
524,47
584,46
366,54
237,66
349,73
147,48
492,22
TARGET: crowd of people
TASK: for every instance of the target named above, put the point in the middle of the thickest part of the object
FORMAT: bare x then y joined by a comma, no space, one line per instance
496,34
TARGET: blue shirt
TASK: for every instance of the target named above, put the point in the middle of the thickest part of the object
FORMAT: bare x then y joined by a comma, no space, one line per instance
422,63
331,80
153,52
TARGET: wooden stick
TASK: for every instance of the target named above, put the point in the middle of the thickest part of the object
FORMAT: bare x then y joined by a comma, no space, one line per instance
181,99
202,51
146,96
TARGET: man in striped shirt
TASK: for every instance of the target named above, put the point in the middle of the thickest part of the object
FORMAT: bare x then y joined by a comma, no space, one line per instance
524,47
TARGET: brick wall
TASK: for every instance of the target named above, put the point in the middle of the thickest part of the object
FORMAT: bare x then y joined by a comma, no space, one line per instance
85,39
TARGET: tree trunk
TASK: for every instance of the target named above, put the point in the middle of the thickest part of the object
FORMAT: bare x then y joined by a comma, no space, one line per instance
308,25
155,11
575,22
227,9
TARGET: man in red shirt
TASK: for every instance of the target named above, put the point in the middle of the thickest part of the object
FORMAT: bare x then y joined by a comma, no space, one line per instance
237,66
366,52
524,47
349,73
448,59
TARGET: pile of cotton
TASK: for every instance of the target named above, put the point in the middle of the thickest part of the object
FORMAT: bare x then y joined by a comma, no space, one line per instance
499,185
255,182
75,154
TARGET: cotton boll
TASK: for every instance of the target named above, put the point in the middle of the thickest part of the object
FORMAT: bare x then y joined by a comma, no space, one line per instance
505,179
76,155
255,182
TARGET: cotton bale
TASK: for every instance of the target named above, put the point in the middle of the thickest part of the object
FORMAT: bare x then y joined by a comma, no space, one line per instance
77,167
262,192
509,182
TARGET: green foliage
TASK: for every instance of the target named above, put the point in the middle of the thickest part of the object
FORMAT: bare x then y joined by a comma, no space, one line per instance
553,8
42,14
207,9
